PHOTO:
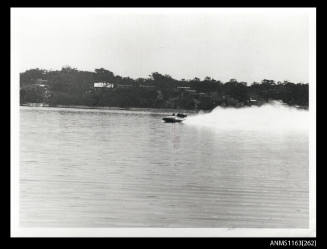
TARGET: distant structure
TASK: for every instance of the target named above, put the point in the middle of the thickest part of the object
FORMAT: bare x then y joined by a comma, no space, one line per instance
103,84
183,87
147,86
192,91
45,92
124,85
203,94
41,83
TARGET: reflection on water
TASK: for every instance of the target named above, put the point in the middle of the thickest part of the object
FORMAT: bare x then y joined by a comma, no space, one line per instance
101,168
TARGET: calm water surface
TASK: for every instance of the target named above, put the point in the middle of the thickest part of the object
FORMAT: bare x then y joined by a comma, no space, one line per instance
101,168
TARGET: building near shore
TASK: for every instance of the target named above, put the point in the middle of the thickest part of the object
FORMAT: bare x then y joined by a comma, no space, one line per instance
103,85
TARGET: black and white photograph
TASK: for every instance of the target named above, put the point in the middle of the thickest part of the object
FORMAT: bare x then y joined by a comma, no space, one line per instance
163,122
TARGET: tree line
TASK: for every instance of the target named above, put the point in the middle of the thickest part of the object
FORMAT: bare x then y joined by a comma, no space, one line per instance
70,86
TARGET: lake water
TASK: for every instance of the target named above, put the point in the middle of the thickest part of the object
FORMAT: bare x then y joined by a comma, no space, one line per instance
105,168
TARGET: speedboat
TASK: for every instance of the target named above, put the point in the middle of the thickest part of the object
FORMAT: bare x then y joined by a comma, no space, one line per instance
175,118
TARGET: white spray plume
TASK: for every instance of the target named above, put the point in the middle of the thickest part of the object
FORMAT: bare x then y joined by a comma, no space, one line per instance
274,116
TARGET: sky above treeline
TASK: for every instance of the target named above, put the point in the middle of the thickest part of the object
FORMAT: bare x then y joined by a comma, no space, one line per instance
245,44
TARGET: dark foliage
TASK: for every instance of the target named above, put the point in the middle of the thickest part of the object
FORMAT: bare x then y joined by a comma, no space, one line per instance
70,86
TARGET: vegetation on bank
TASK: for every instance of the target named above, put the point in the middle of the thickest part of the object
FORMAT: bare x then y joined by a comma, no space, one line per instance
70,86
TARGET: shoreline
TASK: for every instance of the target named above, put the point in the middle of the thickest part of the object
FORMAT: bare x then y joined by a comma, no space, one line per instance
112,108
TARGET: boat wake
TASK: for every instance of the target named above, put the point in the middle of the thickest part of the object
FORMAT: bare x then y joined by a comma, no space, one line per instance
273,116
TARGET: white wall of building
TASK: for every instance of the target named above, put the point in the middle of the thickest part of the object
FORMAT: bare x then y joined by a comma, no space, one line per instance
103,84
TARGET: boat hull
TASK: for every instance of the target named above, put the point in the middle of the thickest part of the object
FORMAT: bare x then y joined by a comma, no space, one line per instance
172,120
